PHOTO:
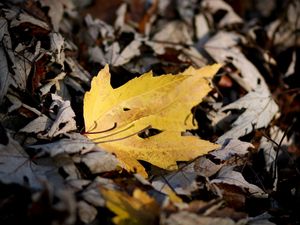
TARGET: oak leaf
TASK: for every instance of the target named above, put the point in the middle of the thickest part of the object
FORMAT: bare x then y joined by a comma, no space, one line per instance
120,119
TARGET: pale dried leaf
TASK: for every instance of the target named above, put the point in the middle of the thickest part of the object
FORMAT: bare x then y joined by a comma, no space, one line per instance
262,219
92,194
100,161
64,121
283,31
93,197
120,20
223,48
86,212
3,28
25,18
120,24
269,148
112,52
229,18
73,82
4,74
131,50
16,102
76,143
66,205
57,48
205,167
77,71
23,60
16,167
96,55
260,109
233,147
98,27
175,32
292,67
37,125
228,176
183,182
202,28
184,217
55,13
186,10
55,81
193,56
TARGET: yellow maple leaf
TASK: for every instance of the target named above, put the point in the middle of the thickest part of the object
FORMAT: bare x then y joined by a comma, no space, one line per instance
138,209
114,117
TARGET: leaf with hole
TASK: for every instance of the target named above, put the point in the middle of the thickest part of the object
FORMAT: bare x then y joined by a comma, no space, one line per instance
144,119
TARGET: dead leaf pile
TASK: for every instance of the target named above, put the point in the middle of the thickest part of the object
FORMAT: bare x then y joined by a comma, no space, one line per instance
149,112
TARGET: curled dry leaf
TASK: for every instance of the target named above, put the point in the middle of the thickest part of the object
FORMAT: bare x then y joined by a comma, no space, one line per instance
118,118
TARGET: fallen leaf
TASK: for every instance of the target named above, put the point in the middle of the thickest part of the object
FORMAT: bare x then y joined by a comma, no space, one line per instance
139,209
202,27
91,193
128,53
175,34
74,143
181,182
260,109
98,27
100,161
17,167
56,10
86,212
233,147
184,217
282,30
223,47
4,79
57,47
163,103
24,18
228,176
269,149
229,18
63,120
262,219
231,152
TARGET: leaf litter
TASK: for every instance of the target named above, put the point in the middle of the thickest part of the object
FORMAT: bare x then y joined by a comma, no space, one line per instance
141,158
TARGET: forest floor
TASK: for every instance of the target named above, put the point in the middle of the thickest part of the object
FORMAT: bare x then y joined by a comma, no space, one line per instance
51,171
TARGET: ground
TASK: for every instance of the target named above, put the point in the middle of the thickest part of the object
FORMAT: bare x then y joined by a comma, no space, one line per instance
53,172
